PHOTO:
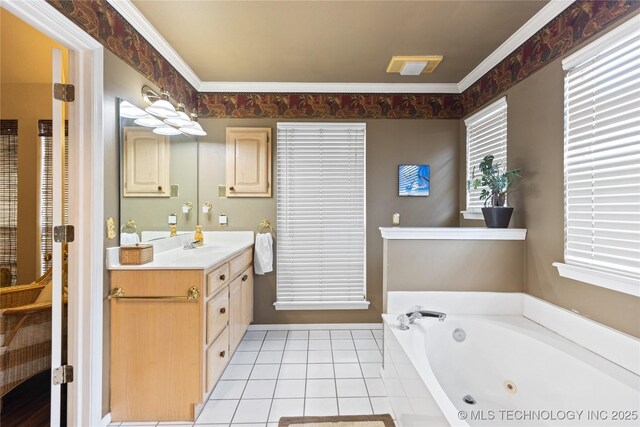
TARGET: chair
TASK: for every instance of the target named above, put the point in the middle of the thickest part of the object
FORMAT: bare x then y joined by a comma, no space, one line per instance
25,331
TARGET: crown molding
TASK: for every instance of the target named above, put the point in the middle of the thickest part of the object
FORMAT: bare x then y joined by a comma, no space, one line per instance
296,87
532,26
142,25
148,31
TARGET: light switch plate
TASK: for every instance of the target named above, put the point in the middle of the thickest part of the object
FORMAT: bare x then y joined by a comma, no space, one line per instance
175,190
222,191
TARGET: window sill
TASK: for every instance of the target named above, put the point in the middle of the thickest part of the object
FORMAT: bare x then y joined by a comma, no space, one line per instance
615,282
322,305
472,215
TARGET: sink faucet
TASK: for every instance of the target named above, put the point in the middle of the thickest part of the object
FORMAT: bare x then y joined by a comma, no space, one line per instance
416,313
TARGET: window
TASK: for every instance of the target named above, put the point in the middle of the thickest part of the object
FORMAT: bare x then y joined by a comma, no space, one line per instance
486,134
321,216
601,161
8,201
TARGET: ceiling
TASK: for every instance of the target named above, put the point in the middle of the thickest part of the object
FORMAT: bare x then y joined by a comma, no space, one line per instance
333,41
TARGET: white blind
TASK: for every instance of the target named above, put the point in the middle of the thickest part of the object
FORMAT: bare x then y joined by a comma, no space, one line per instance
486,134
320,213
602,156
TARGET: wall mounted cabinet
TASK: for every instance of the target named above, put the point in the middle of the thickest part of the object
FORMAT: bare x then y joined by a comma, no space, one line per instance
248,158
146,157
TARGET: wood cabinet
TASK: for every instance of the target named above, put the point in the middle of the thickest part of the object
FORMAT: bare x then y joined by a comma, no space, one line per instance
168,354
145,159
248,162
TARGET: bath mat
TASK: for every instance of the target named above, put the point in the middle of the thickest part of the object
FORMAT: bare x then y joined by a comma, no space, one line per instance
384,420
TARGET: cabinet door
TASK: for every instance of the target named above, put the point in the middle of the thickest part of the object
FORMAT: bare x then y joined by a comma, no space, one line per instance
235,313
217,359
247,297
145,163
248,162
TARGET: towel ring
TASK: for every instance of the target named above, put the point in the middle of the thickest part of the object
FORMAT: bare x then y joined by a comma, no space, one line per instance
265,224
129,227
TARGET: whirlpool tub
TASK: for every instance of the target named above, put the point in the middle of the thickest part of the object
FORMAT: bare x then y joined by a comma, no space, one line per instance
505,368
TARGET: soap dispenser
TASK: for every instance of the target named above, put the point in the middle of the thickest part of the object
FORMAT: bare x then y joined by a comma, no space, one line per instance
198,236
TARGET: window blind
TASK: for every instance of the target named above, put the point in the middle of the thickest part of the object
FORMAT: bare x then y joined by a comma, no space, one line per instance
602,156
321,215
486,134
8,201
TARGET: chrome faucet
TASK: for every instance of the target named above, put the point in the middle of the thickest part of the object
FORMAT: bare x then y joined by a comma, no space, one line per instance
416,313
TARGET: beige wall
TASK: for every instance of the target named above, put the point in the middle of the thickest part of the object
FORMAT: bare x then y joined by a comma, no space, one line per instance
389,143
535,144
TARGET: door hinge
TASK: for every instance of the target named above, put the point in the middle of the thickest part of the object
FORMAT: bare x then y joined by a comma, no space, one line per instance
63,233
63,374
64,92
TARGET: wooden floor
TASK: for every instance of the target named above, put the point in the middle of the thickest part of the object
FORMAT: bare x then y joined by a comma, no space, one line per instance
28,404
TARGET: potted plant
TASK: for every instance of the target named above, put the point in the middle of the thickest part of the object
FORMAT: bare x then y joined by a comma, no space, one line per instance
496,182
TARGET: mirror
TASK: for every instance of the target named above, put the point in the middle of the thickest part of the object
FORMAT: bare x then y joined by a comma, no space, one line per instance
158,178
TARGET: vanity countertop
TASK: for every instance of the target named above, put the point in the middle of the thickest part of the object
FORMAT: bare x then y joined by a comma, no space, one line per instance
170,255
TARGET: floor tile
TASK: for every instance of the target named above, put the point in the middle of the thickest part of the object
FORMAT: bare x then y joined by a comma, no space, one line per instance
351,387
321,388
175,424
380,344
272,345
371,370
366,344
254,336
245,425
293,372
276,335
269,357
252,411
244,358
342,345
362,334
263,372
217,411
228,390
139,423
381,405
354,406
319,344
237,372
286,408
298,335
321,407
259,389
375,387
290,389
348,370
345,356
297,345
320,370
319,335
321,356
294,356
368,356
250,346
273,424
341,335
377,334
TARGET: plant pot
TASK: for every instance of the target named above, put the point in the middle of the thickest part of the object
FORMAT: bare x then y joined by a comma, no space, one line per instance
497,217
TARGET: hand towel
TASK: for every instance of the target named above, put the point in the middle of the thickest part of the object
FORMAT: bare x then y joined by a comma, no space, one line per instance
129,239
263,254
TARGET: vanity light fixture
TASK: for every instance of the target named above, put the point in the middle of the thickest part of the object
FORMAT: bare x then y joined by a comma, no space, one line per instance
196,129
166,130
165,118
148,121
130,111
162,107
182,120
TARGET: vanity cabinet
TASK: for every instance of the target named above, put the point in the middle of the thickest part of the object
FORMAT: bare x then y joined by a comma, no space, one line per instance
146,158
248,162
168,351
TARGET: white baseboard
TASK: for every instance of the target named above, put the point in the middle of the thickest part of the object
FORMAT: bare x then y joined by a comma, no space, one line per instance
314,326
106,420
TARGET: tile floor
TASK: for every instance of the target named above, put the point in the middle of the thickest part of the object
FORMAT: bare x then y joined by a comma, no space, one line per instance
293,373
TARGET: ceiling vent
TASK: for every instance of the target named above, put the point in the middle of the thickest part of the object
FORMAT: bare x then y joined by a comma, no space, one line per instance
413,65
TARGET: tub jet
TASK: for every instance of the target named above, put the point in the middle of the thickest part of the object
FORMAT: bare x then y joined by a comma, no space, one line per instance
468,399
459,335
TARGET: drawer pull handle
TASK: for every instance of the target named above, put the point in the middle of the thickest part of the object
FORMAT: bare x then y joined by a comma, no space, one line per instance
223,353
159,187
192,294
244,278
232,189
223,310
223,277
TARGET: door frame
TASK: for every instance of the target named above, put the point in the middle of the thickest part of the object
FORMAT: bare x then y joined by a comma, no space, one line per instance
86,206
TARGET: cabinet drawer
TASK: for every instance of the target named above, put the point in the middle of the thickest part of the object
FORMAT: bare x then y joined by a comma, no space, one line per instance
217,358
217,314
240,262
217,278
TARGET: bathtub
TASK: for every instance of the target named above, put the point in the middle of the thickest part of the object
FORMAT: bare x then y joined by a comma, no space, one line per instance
505,369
